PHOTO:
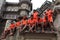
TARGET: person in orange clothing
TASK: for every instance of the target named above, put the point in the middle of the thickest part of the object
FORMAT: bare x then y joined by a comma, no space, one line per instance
35,17
49,14
40,24
5,33
8,31
50,19
45,21
35,14
12,26
23,24
18,23
31,23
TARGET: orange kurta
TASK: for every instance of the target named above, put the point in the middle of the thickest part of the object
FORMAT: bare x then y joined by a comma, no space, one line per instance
12,26
35,15
44,19
18,24
24,22
49,15
31,22
40,20
50,19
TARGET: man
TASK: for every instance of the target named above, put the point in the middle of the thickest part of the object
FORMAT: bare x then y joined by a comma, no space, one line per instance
50,19
45,20
7,29
35,14
12,26
31,23
35,18
40,24
23,24
49,14
18,23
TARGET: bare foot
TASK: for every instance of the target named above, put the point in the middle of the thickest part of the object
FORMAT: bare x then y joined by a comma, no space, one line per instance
52,30
31,30
34,30
42,30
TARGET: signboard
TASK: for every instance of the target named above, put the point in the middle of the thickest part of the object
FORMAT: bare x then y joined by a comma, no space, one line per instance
10,16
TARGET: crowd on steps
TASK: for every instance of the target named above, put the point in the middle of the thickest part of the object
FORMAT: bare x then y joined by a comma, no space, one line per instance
32,24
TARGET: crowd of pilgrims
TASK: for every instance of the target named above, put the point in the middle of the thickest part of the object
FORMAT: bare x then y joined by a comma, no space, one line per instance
32,24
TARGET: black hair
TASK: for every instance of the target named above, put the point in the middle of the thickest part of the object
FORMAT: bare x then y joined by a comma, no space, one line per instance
34,11
48,9
19,18
12,22
31,15
25,17
44,12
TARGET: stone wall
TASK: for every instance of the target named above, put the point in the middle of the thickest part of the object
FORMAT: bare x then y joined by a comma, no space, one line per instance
34,36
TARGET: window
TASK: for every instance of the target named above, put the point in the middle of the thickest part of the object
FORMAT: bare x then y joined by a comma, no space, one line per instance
10,8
